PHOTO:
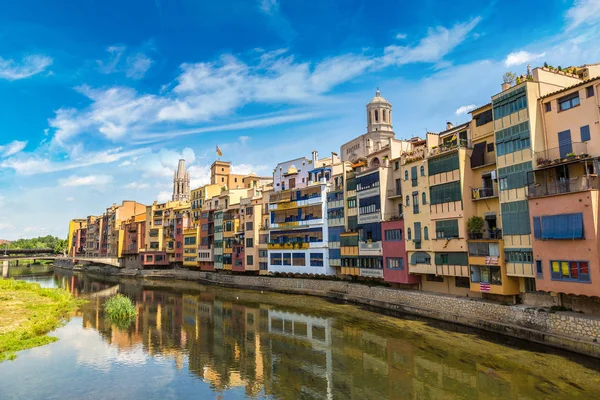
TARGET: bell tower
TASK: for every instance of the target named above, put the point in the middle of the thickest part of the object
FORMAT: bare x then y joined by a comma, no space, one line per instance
181,183
379,117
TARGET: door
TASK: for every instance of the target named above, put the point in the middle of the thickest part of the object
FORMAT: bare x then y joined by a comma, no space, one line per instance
564,143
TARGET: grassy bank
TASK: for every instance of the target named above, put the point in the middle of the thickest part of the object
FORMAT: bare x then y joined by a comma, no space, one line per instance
28,313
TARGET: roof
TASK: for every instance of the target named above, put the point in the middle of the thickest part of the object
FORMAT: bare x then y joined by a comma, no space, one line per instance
378,98
457,127
587,81
479,108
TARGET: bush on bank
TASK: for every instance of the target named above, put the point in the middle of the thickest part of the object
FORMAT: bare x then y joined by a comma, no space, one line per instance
120,311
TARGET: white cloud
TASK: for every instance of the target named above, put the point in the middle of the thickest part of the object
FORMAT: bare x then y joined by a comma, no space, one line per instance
163,163
137,65
439,42
401,36
28,66
125,163
269,7
34,164
89,180
244,169
164,196
465,109
12,148
70,199
134,66
583,12
138,185
521,57
244,139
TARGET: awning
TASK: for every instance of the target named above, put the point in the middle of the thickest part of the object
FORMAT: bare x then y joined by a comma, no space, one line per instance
478,156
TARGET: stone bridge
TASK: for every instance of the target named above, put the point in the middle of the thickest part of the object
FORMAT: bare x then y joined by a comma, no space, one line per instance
114,262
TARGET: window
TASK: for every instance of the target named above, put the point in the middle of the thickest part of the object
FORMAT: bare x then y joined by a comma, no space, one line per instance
249,211
434,278
222,179
585,133
395,263
513,139
420,257
397,165
409,234
154,245
249,242
422,170
179,231
446,229
393,235
539,270
515,218
413,176
561,226
352,203
444,193
316,259
457,258
548,106
276,259
299,259
441,164
568,102
178,245
188,241
407,200
425,233
486,274
158,258
249,226
405,175
523,256
483,118
462,282
514,176
263,266
578,271
510,103
423,198
287,259
415,197
249,260
589,91
263,253
484,249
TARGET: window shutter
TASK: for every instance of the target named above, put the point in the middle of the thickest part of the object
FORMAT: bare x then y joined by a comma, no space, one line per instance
537,227
585,133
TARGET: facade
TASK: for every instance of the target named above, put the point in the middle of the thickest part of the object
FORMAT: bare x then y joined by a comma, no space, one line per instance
77,237
134,238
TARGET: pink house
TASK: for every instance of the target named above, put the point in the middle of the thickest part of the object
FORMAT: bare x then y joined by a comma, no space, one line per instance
395,263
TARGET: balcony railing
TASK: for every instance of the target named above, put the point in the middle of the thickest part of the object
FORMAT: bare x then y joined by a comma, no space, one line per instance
484,192
558,155
489,234
394,192
553,187
446,147
392,216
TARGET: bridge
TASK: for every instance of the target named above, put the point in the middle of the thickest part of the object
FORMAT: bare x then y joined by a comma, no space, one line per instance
113,262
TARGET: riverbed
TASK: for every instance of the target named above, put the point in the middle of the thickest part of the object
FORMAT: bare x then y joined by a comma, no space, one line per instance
194,341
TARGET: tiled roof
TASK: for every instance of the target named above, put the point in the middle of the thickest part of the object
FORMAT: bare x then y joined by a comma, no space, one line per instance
587,81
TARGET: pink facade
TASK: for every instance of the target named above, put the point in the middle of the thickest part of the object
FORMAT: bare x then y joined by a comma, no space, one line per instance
576,261
238,257
394,250
154,258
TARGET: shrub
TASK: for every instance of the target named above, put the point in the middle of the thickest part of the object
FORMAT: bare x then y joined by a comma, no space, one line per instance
120,311
475,224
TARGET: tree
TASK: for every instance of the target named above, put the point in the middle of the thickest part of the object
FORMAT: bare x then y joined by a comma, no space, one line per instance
509,77
61,246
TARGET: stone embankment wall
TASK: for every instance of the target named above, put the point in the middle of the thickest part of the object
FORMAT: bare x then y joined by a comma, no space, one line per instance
567,330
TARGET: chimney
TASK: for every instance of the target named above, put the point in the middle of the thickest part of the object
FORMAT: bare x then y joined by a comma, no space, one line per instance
505,86
334,158
315,157
449,125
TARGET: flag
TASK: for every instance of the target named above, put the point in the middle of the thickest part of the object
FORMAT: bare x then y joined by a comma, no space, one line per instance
484,287
219,152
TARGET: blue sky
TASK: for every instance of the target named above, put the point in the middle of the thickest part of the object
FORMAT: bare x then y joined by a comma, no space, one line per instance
101,98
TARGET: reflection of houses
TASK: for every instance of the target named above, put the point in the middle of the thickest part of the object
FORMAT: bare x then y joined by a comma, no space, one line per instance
301,355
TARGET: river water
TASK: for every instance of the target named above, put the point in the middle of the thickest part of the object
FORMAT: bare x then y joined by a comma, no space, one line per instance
201,342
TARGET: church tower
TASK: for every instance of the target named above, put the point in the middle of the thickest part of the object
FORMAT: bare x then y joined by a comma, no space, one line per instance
379,118
181,183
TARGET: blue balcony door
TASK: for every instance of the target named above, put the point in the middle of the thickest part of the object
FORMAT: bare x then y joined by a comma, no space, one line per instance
564,143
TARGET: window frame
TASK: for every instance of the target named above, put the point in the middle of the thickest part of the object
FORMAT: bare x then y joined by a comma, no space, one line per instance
589,93
570,100
558,276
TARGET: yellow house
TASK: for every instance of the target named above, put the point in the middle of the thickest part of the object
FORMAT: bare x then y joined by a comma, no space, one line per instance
191,238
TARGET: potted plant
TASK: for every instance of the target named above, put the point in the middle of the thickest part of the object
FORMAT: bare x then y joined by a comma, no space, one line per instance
475,227
542,161
584,155
570,156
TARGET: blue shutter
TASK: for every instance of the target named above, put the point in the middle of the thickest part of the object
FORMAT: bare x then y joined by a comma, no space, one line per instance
564,143
576,226
585,133
537,227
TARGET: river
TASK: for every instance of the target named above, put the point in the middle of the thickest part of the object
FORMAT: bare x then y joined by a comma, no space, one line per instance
200,342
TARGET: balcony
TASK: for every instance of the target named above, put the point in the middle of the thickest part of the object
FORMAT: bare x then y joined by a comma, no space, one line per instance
568,153
484,192
392,216
288,246
489,234
391,193
331,222
370,249
335,204
447,147
561,186
292,224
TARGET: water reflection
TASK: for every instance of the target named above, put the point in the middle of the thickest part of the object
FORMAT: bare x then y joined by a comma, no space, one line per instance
244,344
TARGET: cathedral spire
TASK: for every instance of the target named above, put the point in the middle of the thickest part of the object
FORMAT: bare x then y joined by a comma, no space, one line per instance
181,183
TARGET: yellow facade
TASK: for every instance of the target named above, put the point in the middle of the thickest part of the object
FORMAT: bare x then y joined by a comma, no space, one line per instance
191,239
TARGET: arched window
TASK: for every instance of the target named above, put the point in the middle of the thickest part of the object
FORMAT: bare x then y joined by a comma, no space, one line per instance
384,112
407,200
376,115
425,233
408,234
423,198
405,175
422,170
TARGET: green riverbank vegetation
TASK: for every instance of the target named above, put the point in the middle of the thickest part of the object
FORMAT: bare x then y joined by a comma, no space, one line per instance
28,313
120,311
